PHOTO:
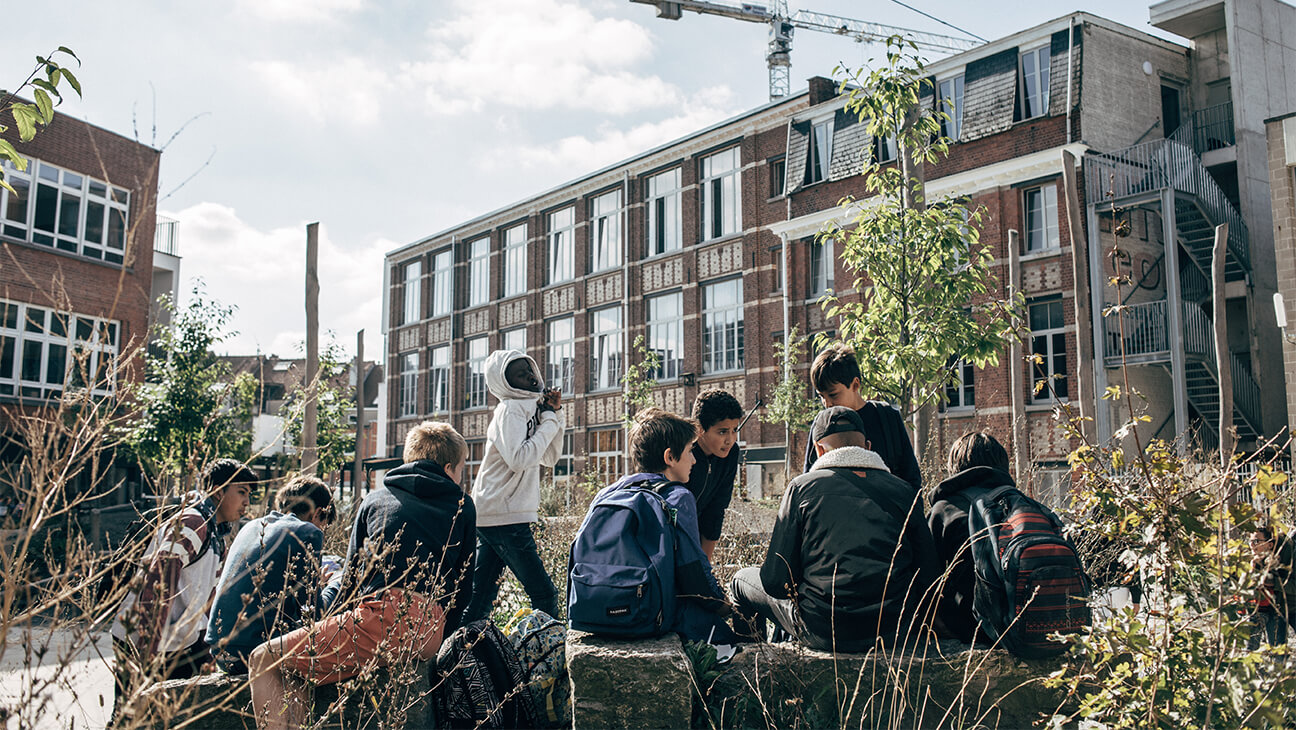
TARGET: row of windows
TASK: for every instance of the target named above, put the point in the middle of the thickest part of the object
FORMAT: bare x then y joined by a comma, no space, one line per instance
723,349
66,210
43,351
721,215
1048,350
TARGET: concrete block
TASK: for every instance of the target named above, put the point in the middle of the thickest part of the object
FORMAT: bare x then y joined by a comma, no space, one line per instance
629,684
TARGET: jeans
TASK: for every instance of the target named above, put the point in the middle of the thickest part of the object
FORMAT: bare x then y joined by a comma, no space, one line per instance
755,606
1271,625
514,547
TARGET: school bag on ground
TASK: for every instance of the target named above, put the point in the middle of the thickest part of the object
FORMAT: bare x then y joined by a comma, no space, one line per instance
478,681
621,581
541,644
1029,580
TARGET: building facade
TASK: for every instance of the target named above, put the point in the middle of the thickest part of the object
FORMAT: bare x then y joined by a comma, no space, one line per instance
77,233
708,247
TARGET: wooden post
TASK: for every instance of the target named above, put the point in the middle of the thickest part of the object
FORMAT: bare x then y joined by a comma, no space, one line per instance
357,468
1021,451
309,455
1223,362
1085,396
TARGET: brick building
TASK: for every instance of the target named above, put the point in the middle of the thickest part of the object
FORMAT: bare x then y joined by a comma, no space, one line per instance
687,244
77,271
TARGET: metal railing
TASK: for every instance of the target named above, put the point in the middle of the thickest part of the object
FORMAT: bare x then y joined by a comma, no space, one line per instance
1146,331
1246,392
1198,334
166,237
1154,166
1208,129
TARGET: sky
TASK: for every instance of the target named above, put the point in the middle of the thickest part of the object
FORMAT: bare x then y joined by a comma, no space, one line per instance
390,120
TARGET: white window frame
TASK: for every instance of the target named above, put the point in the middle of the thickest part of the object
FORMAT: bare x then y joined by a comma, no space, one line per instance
565,468
605,348
439,379
560,354
721,178
73,195
479,272
1040,218
478,349
89,345
562,256
1036,104
606,453
666,334
407,398
605,231
515,260
723,342
514,339
819,155
411,291
951,90
885,149
823,274
473,461
961,393
1053,340
665,222
442,283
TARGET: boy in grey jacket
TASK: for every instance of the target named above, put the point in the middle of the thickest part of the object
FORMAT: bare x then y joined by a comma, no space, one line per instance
525,433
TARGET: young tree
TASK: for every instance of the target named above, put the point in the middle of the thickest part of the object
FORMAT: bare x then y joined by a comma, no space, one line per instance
191,409
638,381
789,403
335,436
928,296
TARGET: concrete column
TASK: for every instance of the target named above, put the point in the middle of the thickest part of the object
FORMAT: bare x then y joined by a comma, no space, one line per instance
1174,307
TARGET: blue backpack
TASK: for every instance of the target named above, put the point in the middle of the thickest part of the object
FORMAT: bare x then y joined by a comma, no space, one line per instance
621,580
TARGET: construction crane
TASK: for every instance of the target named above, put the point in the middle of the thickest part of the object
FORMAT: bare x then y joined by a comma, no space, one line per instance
778,56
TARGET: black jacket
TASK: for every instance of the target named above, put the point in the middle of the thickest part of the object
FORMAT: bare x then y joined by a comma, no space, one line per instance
711,481
948,520
851,546
418,531
888,438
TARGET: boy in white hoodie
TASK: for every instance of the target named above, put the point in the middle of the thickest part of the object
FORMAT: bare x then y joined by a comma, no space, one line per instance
525,433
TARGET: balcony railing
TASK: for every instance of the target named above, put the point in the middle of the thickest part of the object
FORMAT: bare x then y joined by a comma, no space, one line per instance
1145,331
1208,129
166,236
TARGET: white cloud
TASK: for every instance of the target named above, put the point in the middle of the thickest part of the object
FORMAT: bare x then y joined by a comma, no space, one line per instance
347,89
537,54
263,273
298,10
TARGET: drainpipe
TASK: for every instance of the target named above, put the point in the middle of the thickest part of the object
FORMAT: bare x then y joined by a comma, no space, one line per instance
451,409
1070,73
625,283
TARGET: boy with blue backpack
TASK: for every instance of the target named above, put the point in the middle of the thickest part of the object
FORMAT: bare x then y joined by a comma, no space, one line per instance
637,565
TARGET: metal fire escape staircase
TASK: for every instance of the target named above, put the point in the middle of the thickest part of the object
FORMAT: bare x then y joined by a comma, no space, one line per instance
1145,173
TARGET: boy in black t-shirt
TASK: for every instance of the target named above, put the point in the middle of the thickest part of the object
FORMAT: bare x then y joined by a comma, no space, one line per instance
716,456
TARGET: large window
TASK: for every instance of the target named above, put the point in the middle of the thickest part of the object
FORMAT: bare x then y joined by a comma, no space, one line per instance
515,263
1041,218
560,354
606,448
777,176
439,380
605,348
562,227
666,334
478,349
514,339
42,351
65,210
442,283
1048,352
722,326
412,295
665,227
961,392
408,397
950,101
1033,82
473,462
721,196
885,149
822,267
605,231
820,151
479,272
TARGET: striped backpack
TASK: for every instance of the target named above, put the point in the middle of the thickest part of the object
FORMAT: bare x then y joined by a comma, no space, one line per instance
1030,582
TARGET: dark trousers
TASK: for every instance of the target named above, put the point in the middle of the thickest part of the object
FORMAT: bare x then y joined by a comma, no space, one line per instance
132,672
514,547
1267,623
755,607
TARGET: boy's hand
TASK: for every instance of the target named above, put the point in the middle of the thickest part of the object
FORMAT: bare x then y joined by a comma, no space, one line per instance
551,400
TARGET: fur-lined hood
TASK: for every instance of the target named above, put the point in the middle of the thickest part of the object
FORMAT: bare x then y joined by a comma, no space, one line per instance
850,457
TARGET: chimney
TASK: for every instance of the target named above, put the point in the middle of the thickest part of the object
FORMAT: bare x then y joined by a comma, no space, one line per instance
821,90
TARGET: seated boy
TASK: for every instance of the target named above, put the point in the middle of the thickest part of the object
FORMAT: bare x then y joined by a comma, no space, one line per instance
404,586
851,560
271,577
715,464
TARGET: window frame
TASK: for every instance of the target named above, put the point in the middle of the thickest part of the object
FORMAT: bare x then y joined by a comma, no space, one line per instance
664,330
559,247
605,249
606,453
719,220
61,332
73,194
441,301
560,366
606,350
823,269
475,392
407,393
1050,228
515,261
1041,98
479,271
819,152
473,461
509,334
411,291
665,232
1051,335
960,394
957,86
708,311
439,379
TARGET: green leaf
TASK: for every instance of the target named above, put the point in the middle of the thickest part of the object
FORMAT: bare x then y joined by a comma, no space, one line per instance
10,153
44,104
65,49
25,117
72,81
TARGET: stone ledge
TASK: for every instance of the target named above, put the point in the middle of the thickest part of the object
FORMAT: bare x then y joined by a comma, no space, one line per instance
629,684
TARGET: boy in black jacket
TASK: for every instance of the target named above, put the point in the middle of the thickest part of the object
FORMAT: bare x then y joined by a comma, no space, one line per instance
715,466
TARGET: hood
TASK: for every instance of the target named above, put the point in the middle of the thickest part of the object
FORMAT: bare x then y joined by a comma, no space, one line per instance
498,386
648,478
424,479
978,477
850,457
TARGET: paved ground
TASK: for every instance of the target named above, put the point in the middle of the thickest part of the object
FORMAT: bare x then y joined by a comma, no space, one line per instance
56,678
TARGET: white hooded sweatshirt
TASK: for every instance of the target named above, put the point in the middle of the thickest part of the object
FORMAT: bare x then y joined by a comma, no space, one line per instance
520,439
